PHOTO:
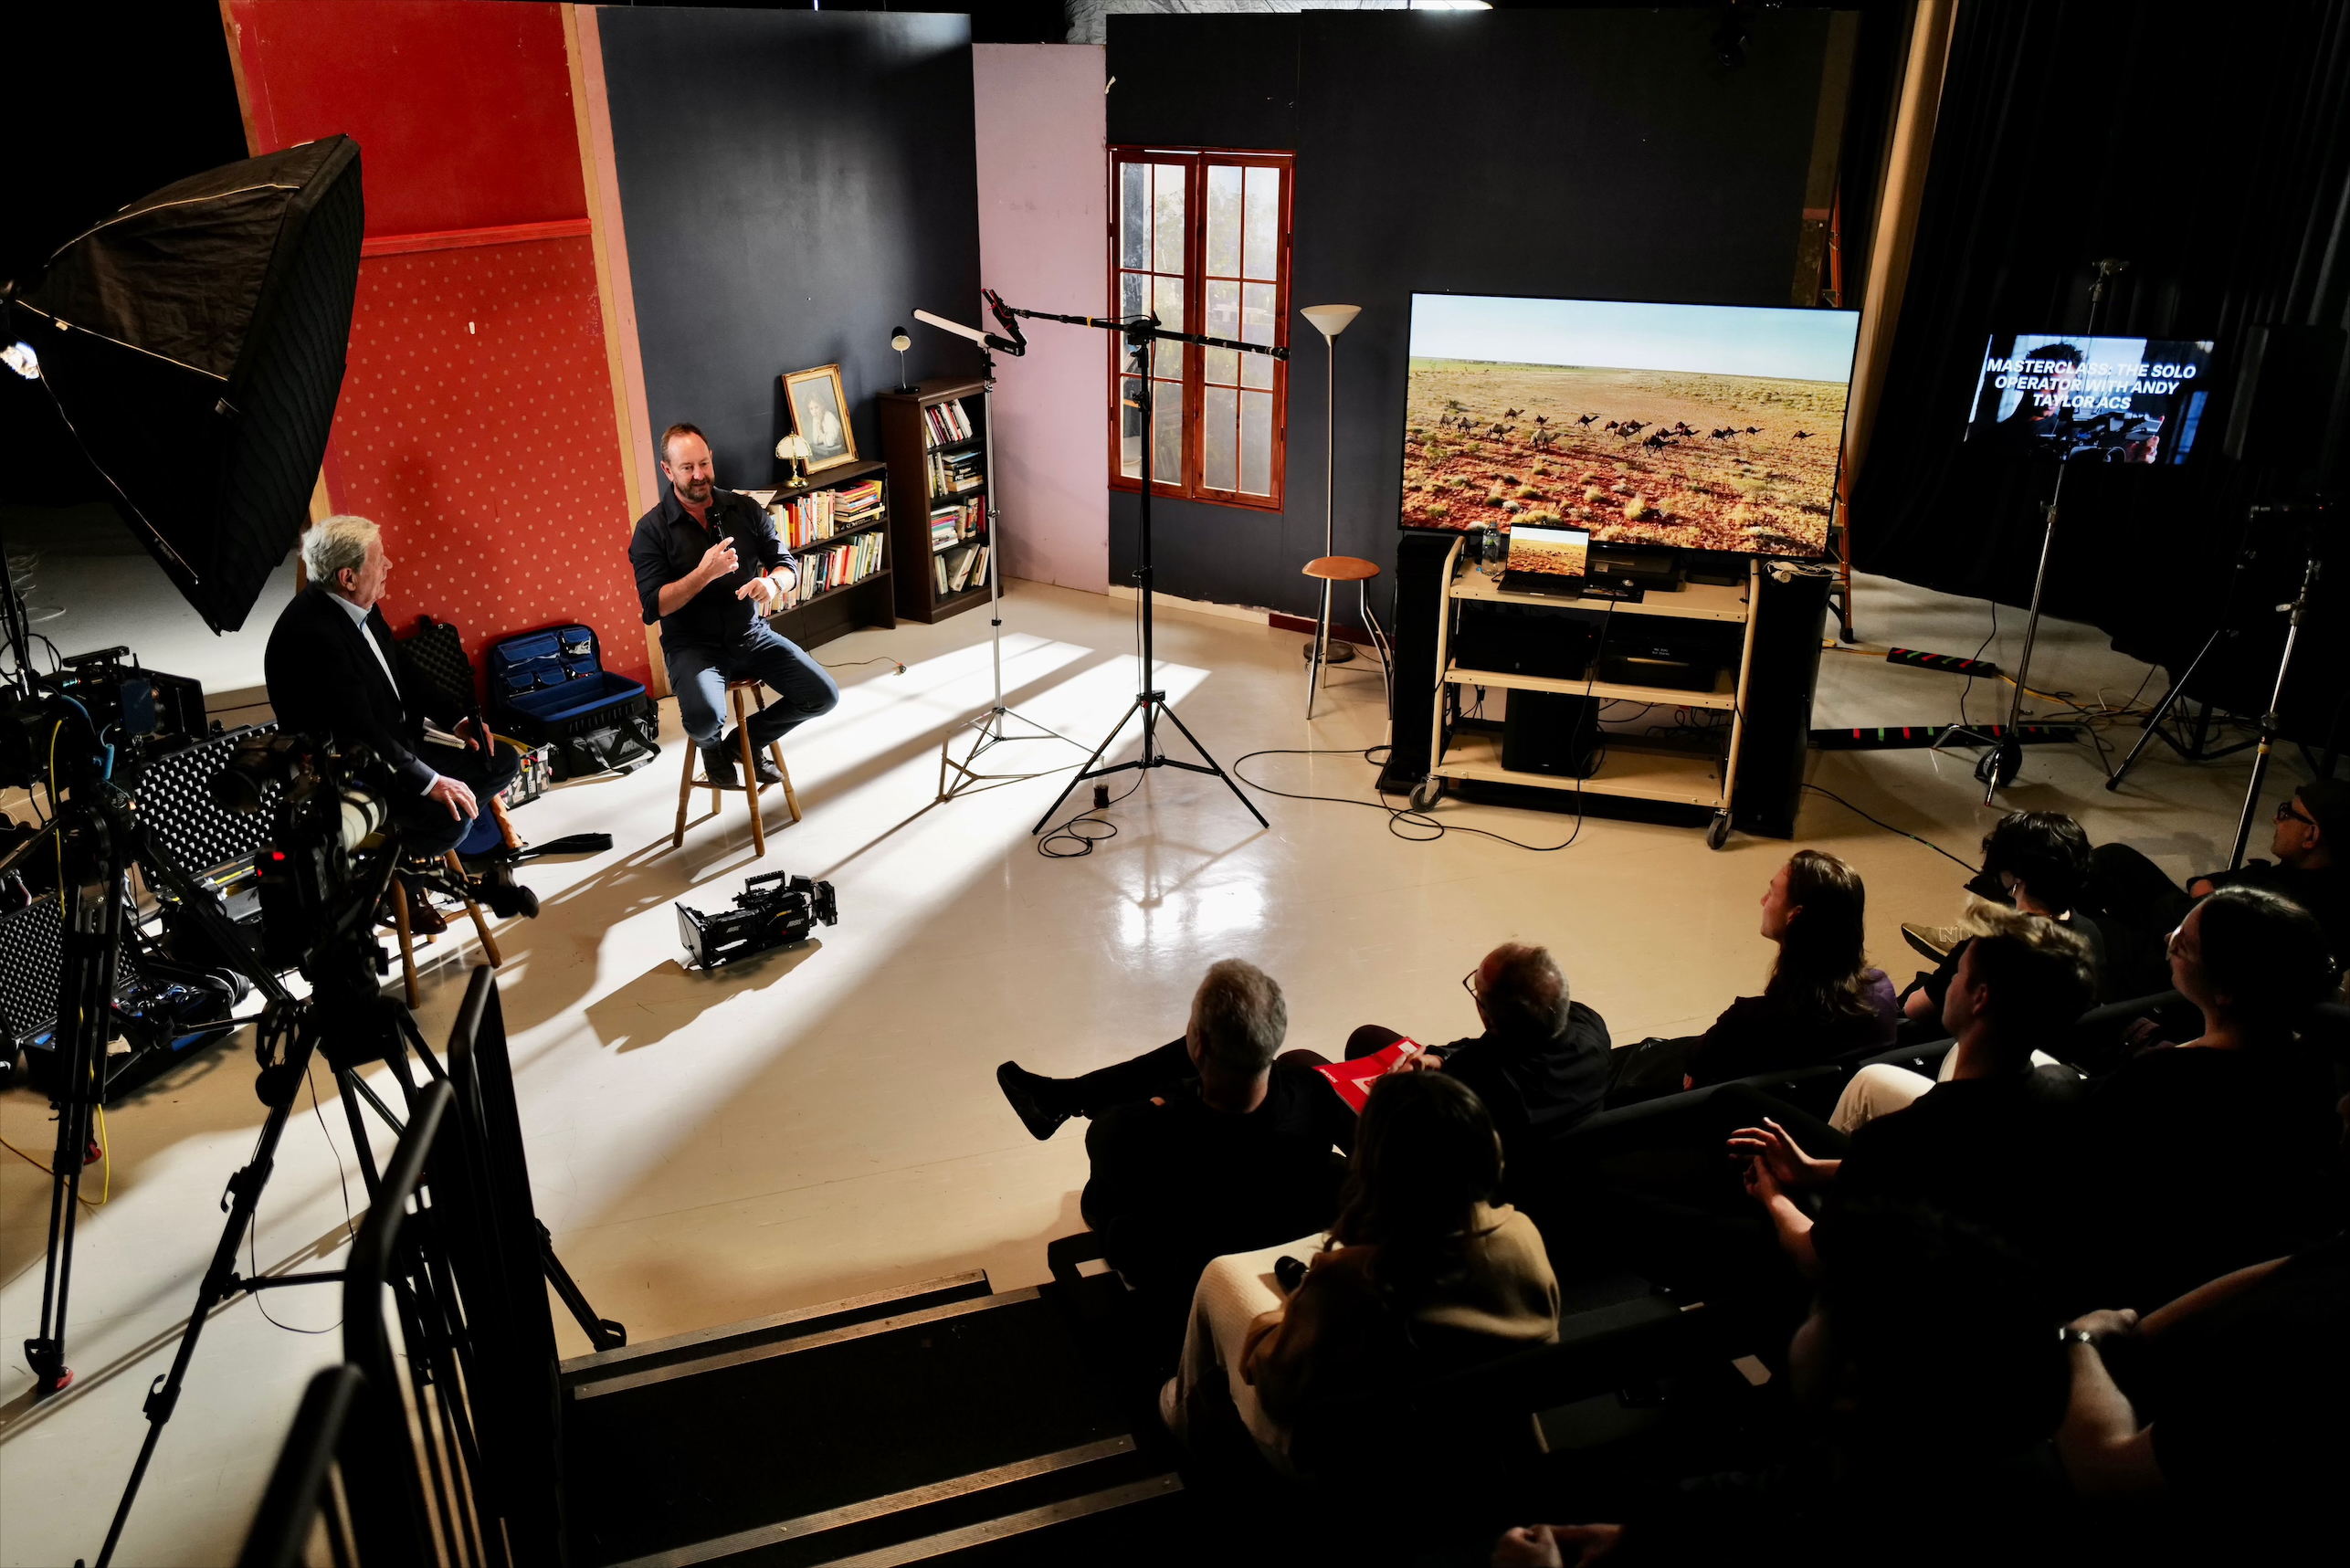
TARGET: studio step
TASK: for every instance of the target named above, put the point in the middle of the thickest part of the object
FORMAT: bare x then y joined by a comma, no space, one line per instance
872,1432
703,1345
1019,1511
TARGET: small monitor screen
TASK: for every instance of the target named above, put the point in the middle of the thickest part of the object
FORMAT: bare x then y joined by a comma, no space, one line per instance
1710,426
2091,400
1548,552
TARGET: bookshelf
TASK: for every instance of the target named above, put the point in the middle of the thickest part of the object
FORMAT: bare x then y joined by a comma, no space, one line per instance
824,613
934,441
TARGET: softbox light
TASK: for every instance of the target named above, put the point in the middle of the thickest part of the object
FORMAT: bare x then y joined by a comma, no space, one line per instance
193,342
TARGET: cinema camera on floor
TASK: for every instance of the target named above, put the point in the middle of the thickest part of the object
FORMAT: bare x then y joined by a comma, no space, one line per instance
772,911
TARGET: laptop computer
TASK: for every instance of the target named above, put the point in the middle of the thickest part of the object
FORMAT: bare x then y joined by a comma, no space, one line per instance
1551,562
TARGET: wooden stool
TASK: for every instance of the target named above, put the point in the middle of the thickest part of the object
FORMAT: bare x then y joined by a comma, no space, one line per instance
736,692
401,923
1331,569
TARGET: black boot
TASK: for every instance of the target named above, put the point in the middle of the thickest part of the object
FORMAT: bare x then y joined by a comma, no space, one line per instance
763,766
718,766
1031,1094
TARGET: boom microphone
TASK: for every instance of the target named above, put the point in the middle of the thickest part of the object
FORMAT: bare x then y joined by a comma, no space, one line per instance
985,339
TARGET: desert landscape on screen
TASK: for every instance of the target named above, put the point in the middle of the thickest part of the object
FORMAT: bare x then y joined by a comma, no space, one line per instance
1659,457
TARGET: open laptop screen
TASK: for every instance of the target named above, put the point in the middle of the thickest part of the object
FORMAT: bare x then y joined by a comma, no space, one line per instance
1560,553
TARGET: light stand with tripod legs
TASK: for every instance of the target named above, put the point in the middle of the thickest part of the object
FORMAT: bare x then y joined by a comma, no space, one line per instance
1997,767
1150,703
2295,613
993,728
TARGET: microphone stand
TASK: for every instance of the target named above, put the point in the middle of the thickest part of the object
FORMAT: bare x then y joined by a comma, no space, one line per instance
992,728
1150,703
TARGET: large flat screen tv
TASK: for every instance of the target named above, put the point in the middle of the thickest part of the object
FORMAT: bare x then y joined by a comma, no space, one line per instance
1706,427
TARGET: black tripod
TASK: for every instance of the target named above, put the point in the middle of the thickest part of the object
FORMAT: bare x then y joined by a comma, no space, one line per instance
2196,748
349,1020
1150,703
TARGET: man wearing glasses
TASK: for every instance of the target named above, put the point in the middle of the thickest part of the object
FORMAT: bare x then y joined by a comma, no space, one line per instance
2146,905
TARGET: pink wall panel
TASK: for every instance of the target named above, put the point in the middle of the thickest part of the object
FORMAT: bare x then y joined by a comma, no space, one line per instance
1043,214
476,427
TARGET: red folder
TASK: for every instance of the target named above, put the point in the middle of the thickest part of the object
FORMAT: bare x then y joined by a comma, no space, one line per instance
1352,1080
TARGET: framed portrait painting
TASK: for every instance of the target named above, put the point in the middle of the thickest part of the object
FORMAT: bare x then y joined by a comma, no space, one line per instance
820,413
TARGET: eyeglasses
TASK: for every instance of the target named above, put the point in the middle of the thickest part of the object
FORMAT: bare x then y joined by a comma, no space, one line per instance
1468,983
2287,810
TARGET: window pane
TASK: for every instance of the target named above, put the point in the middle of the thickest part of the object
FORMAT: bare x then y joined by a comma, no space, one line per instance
1218,438
1166,201
1222,365
1130,293
1130,430
1257,442
1133,215
1166,453
1166,358
1264,224
1223,220
1257,327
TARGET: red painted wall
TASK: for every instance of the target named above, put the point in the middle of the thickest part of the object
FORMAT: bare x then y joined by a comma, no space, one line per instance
477,423
462,109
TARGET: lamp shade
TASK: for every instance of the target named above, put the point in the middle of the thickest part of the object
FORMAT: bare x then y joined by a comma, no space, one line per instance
1330,320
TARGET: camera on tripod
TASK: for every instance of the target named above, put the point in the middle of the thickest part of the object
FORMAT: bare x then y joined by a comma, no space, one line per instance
772,911
321,814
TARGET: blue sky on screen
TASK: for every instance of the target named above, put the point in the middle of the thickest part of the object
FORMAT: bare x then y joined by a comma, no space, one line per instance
1716,340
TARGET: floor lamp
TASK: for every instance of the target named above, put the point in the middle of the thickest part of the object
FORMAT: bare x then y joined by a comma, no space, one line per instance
1329,321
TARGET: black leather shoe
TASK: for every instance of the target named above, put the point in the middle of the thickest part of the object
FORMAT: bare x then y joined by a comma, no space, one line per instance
718,766
762,764
1025,1091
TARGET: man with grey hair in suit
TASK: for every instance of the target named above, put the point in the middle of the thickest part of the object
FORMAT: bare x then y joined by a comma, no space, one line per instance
333,675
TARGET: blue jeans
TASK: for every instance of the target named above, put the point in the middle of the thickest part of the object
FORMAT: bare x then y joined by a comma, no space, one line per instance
698,676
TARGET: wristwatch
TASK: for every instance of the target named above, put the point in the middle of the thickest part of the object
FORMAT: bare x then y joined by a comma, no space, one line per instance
2071,1336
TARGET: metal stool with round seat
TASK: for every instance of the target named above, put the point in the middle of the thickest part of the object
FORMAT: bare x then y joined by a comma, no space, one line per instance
1331,569
740,695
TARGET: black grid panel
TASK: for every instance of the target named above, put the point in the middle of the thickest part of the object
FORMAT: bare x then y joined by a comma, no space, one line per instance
32,954
176,804
433,664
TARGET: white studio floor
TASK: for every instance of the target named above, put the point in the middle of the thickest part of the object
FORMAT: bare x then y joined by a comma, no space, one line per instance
822,1122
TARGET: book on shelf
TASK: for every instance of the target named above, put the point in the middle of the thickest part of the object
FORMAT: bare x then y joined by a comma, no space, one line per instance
820,572
957,522
947,422
820,514
962,567
953,473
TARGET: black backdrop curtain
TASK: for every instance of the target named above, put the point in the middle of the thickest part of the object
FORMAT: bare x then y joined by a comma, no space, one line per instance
2209,146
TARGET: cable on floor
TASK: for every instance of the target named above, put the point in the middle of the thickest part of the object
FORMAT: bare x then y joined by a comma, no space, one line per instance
1888,828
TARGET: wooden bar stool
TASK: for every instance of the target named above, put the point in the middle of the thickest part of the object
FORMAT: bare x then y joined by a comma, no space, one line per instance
738,693
1330,570
403,923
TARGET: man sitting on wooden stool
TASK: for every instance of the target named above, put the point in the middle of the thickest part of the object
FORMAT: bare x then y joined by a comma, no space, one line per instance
708,565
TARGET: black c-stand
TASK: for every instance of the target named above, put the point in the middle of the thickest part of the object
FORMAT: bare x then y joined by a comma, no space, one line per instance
1150,702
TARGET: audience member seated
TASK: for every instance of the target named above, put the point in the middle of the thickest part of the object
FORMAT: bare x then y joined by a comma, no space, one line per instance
1202,1146
2039,862
1822,1001
1927,1379
2141,906
2233,1448
2215,1153
1540,1067
1991,1144
1421,1274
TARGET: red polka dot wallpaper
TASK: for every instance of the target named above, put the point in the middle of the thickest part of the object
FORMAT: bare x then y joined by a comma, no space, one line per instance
477,427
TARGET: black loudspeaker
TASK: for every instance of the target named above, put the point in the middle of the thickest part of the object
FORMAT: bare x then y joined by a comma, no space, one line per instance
1777,731
1552,732
1420,604
2282,412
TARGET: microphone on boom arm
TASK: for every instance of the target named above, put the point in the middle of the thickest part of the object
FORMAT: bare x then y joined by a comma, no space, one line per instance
1015,346
1006,319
